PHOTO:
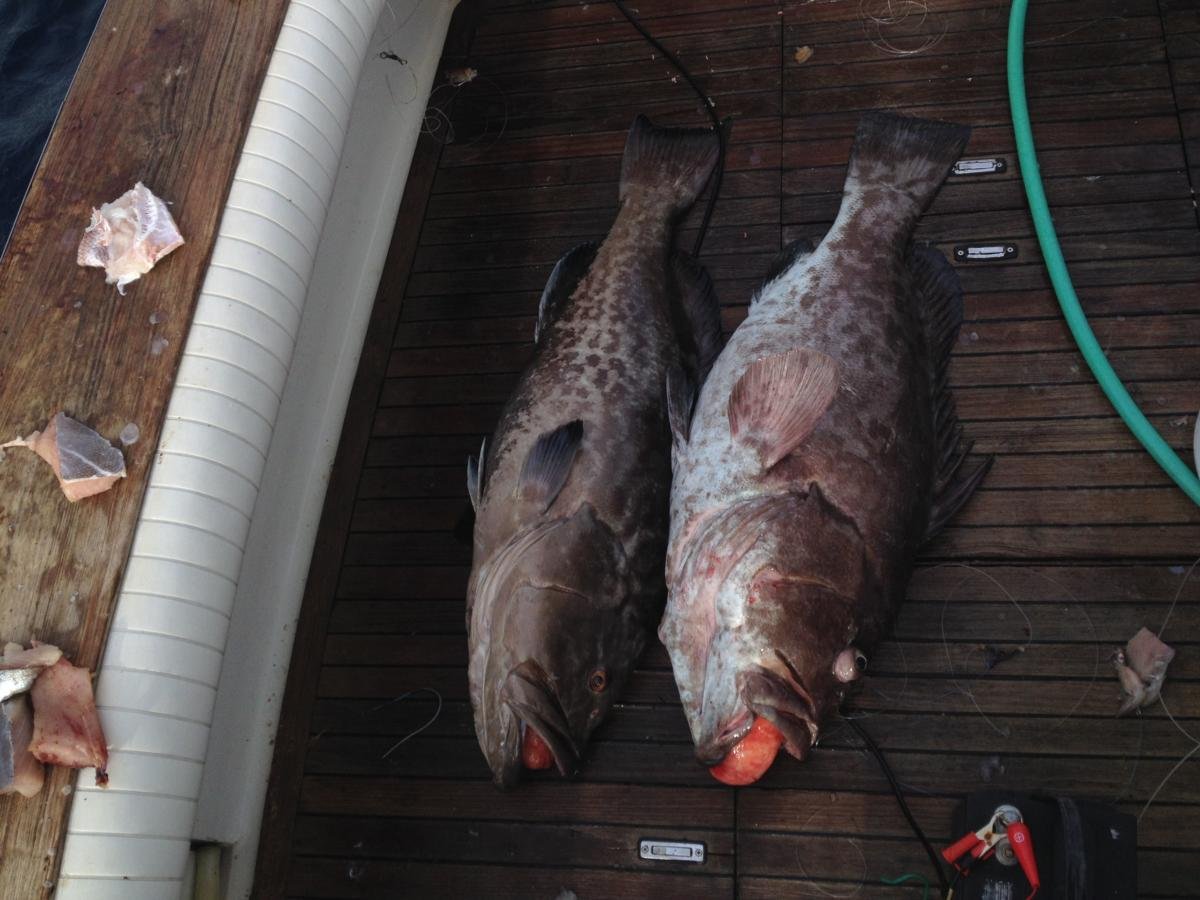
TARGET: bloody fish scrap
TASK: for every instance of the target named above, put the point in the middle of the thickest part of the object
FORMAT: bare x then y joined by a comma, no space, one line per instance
571,493
1141,667
66,726
63,727
820,453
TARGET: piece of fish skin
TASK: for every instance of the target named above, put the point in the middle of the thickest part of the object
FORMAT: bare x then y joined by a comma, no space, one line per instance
1142,667
84,463
20,772
17,681
19,668
571,495
128,236
822,451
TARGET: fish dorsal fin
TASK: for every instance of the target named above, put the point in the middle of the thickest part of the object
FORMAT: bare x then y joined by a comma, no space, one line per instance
784,260
938,296
779,399
476,468
564,278
699,310
548,464
681,398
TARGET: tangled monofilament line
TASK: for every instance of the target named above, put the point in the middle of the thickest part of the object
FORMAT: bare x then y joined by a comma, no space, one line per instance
965,690
412,734
853,891
1187,734
898,12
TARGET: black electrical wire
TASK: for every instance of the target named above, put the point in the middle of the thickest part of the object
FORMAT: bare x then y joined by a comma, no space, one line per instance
912,822
712,114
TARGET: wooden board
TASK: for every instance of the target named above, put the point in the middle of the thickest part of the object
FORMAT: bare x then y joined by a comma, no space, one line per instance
163,95
1076,540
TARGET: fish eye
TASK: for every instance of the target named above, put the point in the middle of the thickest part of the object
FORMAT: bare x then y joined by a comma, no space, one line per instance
598,681
849,665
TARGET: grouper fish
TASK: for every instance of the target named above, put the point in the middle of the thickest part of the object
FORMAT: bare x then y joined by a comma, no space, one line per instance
571,494
820,453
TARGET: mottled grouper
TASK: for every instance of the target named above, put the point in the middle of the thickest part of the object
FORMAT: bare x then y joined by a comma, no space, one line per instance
822,451
571,496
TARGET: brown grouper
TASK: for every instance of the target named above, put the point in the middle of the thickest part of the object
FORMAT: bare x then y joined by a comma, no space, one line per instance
571,495
822,451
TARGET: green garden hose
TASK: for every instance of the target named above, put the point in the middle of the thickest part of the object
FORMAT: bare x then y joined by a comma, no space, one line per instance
1061,279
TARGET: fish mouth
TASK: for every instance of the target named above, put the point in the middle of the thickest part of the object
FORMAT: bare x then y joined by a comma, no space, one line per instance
531,700
785,702
711,753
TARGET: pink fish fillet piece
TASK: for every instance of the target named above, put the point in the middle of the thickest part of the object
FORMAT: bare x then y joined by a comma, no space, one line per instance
128,236
66,726
1149,657
83,461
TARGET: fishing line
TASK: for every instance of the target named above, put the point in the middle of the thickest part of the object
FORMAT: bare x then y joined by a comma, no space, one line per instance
412,734
837,895
912,822
1187,734
1195,746
1186,578
719,171
1095,643
966,690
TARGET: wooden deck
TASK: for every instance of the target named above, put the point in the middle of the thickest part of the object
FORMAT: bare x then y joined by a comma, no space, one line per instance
141,107
1075,523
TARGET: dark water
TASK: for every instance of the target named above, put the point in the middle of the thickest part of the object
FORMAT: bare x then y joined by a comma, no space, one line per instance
41,43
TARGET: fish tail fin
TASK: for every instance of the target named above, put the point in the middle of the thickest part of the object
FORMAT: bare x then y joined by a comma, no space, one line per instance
670,165
938,293
911,157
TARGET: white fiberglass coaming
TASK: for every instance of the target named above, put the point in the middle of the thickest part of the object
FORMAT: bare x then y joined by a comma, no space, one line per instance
192,677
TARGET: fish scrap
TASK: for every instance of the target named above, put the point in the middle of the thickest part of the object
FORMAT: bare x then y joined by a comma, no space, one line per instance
61,728
1141,667
128,236
84,463
571,492
821,452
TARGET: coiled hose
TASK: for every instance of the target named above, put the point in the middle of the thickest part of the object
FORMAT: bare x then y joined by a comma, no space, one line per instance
1125,406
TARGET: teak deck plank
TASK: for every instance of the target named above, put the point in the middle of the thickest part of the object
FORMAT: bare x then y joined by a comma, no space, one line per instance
1074,523
68,341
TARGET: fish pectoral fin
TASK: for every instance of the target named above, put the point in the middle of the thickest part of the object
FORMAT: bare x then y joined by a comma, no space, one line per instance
476,466
793,253
564,278
548,464
700,312
681,399
778,401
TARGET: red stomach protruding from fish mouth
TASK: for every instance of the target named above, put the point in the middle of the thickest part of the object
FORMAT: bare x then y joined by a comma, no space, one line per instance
748,759
535,752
